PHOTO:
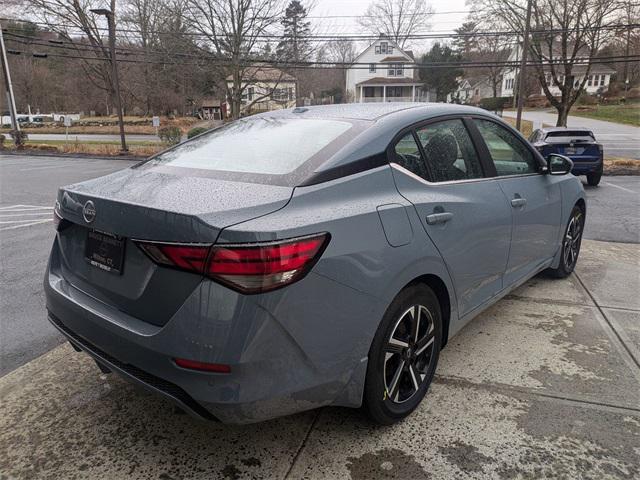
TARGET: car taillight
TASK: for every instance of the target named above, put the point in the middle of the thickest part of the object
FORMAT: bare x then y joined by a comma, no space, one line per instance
248,268
262,267
188,257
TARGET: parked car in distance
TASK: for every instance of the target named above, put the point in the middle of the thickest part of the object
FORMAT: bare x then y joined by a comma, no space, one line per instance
307,257
579,144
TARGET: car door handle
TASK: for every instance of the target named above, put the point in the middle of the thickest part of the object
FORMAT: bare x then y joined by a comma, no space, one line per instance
436,218
518,202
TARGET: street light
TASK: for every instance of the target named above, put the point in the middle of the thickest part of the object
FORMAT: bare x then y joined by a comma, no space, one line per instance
114,71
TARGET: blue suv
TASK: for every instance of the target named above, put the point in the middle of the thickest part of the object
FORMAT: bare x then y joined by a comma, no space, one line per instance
579,144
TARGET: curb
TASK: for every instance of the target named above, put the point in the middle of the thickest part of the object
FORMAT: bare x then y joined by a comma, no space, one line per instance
37,153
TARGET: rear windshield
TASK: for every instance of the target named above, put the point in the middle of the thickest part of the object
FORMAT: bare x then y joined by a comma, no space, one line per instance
267,146
569,135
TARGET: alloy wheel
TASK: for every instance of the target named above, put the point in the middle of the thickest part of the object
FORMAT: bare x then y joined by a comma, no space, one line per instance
572,241
408,353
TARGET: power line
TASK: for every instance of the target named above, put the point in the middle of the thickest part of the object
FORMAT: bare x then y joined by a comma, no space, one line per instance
360,37
344,65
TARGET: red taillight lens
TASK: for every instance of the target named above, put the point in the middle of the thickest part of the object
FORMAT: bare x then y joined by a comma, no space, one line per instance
252,268
262,267
186,257
202,366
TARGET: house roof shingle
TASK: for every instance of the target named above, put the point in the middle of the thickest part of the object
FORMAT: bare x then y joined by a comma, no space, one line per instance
261,73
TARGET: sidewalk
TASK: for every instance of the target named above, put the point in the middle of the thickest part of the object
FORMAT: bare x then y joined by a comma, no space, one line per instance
544,384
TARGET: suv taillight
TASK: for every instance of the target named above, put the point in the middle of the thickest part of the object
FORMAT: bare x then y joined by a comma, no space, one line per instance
248,268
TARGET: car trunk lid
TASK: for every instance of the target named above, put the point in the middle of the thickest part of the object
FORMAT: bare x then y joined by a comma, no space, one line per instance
144,204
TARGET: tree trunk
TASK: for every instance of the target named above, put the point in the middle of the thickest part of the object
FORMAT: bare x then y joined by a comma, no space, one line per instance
563,113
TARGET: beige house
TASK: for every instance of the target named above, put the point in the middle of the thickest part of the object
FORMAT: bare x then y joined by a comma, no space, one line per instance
264,89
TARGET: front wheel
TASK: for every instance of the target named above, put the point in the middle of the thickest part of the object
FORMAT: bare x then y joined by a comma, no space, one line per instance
570,245
403,355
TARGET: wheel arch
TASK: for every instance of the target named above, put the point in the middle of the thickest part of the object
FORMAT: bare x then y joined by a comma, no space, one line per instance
441,291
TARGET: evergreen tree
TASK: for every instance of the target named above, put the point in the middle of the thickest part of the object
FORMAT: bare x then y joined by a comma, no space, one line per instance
295,45
442,80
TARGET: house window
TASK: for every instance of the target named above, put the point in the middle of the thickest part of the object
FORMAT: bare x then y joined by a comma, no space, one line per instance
589,80
280,94
372,68
383,47
377,49
390,49
394,92
395,70
250,94
602,78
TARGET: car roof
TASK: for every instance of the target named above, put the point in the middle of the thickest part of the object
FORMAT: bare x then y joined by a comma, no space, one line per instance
374,111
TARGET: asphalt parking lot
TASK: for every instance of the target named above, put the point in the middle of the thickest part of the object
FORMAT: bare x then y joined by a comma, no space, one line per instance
544,384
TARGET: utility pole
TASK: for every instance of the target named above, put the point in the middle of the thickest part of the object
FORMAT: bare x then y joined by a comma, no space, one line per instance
114,72
15,126
523,65
626,52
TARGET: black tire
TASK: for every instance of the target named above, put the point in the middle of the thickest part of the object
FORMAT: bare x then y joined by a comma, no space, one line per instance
571,242
593,179
387,401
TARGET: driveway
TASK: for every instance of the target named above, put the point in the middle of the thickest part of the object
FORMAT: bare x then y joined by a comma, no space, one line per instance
544,384
618,140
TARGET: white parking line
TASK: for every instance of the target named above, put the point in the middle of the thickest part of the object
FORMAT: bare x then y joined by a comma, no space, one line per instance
4,215
19,216
619,187
26,225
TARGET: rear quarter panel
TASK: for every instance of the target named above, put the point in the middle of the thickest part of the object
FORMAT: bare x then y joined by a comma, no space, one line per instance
359,258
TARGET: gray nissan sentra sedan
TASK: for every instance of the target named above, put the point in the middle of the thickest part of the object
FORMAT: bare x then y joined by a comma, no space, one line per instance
307,257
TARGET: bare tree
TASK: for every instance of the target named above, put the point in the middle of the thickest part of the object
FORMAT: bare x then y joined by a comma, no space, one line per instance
397,19
71,19
233,29
341,51
565,34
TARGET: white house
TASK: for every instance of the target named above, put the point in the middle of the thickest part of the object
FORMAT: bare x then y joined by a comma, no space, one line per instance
597,81
390,76
265,88
471,90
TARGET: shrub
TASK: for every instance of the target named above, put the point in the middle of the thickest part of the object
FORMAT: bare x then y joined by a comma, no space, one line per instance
2,139
196,131
494,104
586,99
170,135
537,100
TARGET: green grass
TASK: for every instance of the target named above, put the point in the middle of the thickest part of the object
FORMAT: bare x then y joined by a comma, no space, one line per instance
626,114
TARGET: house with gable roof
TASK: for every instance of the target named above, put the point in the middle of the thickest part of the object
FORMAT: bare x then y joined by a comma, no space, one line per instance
384,72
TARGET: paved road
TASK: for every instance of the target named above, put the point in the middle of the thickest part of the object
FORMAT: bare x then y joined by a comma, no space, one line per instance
545,384
618,140
28,186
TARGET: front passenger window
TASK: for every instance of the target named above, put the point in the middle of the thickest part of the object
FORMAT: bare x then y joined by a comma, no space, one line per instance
509,154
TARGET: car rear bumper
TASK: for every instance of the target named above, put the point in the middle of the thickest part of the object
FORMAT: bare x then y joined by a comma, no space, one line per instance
582,166
285,355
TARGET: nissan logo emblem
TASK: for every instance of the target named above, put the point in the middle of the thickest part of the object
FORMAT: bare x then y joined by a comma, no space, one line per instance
89,212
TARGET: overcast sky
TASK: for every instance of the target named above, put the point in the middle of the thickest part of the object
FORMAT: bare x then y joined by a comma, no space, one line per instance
441,22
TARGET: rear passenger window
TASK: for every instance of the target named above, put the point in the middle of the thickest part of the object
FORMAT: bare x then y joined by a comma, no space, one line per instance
509,154
449,152
407,155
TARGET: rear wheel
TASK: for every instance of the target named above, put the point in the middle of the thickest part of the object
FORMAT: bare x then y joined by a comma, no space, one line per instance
593,179
570,244
403,355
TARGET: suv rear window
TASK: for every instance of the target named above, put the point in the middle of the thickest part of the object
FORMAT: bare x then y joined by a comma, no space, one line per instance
260,145
561,136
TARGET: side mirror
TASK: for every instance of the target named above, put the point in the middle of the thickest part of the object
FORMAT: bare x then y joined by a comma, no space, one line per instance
559,164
